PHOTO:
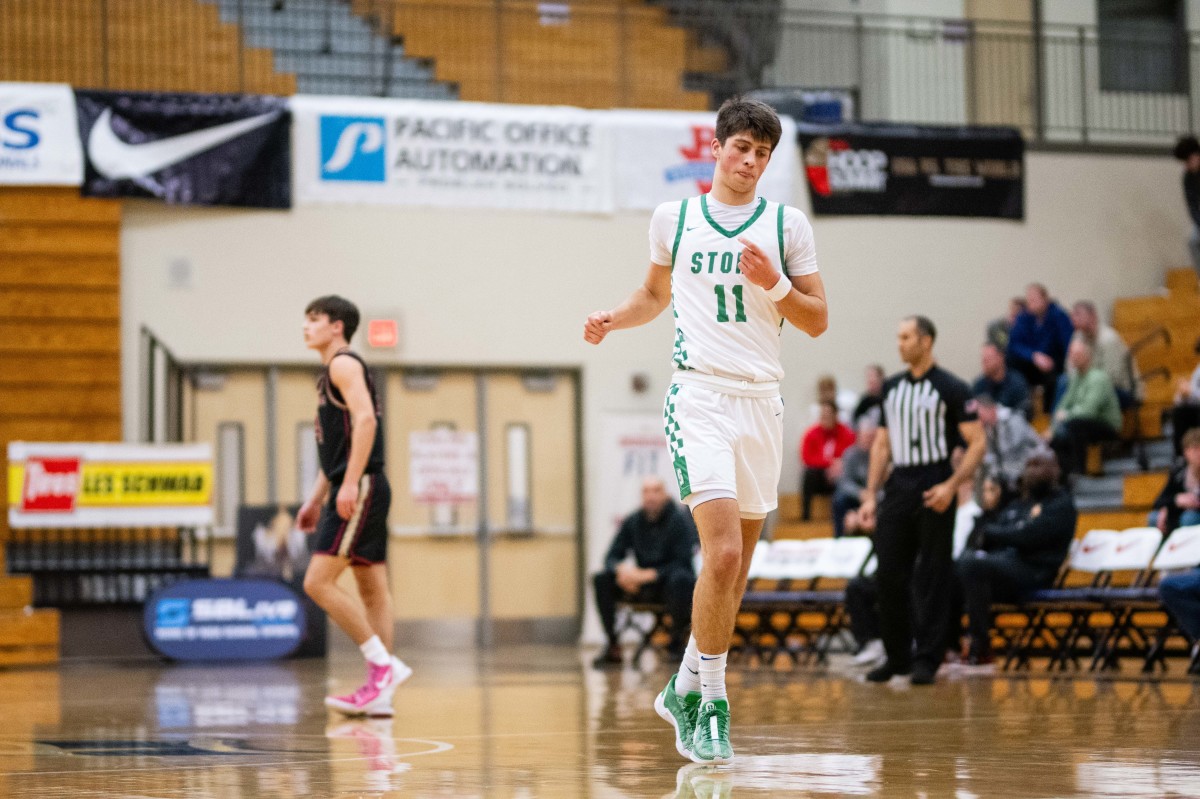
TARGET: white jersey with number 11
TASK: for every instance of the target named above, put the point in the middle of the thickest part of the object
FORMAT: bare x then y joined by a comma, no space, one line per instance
725,325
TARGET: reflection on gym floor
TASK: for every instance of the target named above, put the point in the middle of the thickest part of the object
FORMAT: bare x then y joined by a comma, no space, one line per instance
535,721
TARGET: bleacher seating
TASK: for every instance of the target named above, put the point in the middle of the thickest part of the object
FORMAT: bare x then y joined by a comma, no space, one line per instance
148,45
331,49
592,54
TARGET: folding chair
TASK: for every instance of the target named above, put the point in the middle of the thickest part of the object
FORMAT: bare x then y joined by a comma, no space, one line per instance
1179,553
788,568
1127,589
843,560
1070,595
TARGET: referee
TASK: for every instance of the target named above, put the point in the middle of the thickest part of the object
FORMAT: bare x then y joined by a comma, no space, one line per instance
927,412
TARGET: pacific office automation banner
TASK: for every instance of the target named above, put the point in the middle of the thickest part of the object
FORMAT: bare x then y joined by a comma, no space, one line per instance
406,152
667,155
109,485
192,149
922,171
39,135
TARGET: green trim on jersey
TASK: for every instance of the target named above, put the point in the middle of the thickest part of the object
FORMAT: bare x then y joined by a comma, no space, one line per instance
678,232
675,442
782,253
762,206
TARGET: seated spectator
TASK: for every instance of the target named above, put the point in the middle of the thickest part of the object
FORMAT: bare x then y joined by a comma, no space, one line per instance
1108,352
851,475
1006,386
1037,344
820,451
1179,503
1020,552
1011,440
659,539
827,391
1088,414
1186,413
872,398
998,329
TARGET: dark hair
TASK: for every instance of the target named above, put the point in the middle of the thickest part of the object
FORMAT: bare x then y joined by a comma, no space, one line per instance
1041,473
925,326
738,114
338,309
1186,147
1190,439
877,369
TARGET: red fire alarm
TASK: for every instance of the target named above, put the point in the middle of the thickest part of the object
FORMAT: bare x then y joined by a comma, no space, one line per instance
383,333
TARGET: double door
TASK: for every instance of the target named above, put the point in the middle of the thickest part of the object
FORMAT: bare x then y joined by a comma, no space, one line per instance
505,565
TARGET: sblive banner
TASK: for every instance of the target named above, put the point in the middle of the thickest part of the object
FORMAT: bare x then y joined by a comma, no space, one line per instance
408,152
39,135
58,485
907,170
667,155
195,149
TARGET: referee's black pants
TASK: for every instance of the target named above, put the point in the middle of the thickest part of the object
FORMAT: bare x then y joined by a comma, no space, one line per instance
914,546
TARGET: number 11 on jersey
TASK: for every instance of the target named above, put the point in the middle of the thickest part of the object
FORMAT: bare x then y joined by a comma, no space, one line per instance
739,314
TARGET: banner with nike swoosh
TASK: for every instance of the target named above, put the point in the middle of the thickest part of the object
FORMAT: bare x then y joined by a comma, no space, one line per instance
190,149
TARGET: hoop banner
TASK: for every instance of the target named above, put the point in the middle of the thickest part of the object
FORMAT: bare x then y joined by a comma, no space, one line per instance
190,149
58,485
914,171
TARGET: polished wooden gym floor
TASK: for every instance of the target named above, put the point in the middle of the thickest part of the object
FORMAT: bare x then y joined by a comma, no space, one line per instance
538,722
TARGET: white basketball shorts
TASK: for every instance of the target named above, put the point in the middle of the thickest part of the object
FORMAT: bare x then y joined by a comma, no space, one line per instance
727,438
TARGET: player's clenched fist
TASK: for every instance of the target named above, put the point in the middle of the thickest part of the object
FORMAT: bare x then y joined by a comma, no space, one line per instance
597,327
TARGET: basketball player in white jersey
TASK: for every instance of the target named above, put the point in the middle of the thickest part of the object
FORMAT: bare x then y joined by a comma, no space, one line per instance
735,267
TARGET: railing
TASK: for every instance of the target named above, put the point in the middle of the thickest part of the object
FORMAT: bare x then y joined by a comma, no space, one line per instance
1082,85
1070,85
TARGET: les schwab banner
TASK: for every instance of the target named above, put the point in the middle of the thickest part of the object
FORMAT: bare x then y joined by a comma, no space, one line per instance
57,485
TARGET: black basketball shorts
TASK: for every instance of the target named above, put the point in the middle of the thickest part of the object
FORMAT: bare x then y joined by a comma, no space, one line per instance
363,538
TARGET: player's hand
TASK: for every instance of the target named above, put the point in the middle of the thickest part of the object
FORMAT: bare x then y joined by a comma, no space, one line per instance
307,516
597,327
757,267
347,499
939,497
866,514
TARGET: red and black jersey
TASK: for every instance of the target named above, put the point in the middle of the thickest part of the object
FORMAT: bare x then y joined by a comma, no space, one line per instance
333,425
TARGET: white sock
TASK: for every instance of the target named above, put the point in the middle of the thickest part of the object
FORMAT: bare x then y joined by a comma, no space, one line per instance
375,652
712,676
688,679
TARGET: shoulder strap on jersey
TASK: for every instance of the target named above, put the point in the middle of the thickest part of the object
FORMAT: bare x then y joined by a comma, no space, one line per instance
782,248
678,232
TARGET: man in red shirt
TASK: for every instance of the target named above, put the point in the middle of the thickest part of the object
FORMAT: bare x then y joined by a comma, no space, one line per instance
821,453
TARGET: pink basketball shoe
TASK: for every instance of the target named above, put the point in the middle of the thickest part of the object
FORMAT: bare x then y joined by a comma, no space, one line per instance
374,698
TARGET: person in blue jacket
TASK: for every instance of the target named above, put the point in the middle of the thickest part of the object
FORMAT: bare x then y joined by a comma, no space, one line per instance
1037,344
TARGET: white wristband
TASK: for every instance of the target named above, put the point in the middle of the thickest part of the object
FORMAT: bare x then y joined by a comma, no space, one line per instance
781,289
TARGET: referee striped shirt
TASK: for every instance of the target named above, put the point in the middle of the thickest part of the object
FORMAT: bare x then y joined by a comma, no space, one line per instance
922,416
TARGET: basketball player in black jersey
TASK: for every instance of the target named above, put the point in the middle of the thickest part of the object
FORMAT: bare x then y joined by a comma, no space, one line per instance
348,506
